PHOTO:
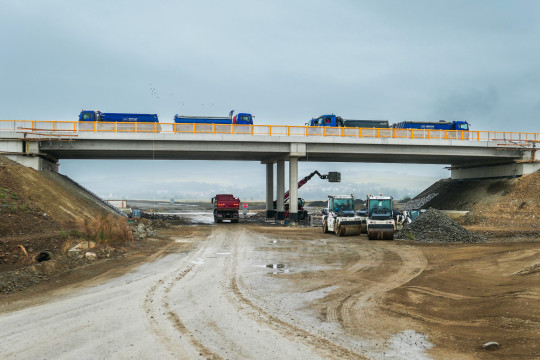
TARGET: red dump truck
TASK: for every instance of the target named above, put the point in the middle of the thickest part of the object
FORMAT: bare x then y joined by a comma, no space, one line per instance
225,207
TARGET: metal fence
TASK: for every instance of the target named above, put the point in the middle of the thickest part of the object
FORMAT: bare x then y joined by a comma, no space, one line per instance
67,128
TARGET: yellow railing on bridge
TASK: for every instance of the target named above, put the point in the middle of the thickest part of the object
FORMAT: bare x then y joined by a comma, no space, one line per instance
71,128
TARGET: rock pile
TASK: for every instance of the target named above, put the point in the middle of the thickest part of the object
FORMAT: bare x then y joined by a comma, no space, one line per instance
142,231
435,226
157,216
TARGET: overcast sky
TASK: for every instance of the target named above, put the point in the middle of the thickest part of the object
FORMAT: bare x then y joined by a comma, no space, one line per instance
283,61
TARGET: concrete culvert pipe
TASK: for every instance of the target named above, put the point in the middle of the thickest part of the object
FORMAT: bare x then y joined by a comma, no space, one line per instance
44,255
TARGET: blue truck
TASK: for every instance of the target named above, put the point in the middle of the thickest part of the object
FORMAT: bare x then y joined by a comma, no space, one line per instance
92,115
435,125
240,119
337,121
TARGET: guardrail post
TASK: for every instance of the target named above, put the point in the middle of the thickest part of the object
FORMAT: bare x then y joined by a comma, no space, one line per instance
95,126
251,129
412,134
214,129
115,127
232,129
135,127
395,133
378,134
360,135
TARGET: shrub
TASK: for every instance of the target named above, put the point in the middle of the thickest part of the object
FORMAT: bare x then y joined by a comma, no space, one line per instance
105,230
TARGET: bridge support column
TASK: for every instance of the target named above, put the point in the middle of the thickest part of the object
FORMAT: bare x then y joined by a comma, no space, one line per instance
269,190
293,191
280,209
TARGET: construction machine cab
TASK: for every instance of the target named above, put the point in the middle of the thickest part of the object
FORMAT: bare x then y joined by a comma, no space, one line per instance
379,207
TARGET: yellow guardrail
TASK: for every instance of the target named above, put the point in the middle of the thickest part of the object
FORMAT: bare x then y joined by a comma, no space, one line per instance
67,128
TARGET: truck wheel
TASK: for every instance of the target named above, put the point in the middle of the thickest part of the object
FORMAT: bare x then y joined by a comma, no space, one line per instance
324,227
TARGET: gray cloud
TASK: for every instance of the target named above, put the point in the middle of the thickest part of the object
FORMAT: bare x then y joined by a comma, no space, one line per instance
283,61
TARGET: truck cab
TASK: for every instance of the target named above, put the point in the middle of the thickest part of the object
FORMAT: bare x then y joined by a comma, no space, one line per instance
90,115
327,120
243,119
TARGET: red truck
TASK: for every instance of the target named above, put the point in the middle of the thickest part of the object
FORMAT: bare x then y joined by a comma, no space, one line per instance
225,207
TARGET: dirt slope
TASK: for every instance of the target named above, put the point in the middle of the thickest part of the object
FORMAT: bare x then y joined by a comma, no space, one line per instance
36,202
505,204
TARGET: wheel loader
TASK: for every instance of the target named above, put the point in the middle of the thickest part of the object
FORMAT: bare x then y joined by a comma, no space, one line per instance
339,217
380,221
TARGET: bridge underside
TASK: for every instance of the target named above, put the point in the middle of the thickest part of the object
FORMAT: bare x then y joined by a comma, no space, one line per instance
272,151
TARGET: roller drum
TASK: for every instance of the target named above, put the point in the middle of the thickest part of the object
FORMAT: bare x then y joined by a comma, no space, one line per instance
381,234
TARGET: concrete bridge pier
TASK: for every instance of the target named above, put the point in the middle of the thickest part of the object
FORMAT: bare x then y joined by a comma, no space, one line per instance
280,205
269,190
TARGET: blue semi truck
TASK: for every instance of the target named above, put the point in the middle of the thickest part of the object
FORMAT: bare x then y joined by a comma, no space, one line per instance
433,125
240,119
92,115
337,121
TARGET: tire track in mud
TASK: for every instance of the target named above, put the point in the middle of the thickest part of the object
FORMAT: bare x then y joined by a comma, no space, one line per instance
371,260
357,307
160,315
320,344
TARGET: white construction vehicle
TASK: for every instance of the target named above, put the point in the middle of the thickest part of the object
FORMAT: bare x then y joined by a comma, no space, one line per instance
339,217
380,221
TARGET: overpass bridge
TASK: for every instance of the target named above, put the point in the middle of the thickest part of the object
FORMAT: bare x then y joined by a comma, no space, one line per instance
469,154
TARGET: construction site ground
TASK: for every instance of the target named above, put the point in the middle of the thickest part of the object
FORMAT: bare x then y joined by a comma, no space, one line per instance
261,290
251,291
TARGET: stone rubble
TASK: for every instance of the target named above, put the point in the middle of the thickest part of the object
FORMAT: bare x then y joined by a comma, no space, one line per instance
435,226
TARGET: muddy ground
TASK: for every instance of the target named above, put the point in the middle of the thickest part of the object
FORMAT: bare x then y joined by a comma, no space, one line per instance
248,290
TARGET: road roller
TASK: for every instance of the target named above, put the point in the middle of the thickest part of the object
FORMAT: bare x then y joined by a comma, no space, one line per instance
380,221
340,218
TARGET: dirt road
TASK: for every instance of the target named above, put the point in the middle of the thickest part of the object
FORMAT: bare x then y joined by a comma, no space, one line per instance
248,291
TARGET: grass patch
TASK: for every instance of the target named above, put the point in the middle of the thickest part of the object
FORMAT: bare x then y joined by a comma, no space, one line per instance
409,236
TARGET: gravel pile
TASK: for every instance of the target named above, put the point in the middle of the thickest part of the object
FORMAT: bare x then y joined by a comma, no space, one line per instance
435,226
418,202
157,216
